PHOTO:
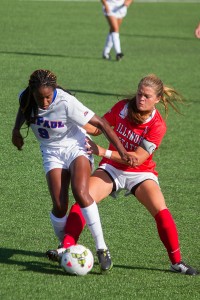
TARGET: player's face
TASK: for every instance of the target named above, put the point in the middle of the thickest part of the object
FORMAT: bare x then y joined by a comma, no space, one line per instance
44,96
146,98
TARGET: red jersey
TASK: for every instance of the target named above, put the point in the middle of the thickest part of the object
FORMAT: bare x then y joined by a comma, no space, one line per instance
132,134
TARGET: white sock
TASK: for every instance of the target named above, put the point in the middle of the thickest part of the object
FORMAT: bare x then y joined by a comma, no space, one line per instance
91,215
116,42
58,226
108,45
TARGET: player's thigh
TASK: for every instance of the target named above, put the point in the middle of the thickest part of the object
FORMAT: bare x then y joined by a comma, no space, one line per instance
113,23
58,181
119,21
100,185
80,170
149,194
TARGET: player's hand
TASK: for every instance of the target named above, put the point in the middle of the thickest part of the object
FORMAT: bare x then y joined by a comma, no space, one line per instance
17,139
122,10
132,160
93,148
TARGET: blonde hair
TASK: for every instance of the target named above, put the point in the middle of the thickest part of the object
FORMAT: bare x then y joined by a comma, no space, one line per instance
168,96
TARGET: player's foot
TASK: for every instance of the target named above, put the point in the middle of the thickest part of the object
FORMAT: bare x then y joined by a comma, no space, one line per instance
55,255
106,56
183,269
119,56
104,258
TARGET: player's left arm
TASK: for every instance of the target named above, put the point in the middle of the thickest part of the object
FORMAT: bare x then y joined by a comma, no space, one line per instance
17,138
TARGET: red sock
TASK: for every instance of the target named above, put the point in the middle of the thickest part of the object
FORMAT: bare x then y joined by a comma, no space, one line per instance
168,234
74,226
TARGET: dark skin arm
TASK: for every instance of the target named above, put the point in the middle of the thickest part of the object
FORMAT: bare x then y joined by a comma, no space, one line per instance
111,136
17,138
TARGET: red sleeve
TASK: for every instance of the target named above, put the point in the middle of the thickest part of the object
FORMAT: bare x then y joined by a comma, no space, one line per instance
156,131
111,115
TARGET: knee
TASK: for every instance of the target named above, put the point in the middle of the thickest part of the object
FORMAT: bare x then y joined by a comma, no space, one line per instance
114,29
80,194
82,197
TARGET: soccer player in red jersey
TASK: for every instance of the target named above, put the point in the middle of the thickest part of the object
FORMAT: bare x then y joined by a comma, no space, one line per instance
141,128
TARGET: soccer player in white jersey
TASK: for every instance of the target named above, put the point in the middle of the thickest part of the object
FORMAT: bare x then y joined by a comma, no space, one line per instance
114,11
56,117
141,128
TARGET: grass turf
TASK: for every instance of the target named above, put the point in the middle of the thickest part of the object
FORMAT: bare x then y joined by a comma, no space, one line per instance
68,37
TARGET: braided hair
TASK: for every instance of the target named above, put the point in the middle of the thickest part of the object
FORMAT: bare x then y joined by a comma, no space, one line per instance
168,96
27,102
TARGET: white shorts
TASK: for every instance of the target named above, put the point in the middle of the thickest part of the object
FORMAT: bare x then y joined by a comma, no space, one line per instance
126,180
61,158
116,11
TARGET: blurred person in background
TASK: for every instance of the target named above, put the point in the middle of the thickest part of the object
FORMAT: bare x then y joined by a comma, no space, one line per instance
114,11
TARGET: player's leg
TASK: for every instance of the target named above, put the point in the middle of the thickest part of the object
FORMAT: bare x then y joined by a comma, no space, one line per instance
119,54
58,181
80,177
150,195
74,226
67,229
100,186
107,47
114,25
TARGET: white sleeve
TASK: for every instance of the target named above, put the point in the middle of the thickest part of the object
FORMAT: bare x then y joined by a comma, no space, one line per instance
78,113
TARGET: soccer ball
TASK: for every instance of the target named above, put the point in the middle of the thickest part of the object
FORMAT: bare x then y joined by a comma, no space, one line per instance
77,260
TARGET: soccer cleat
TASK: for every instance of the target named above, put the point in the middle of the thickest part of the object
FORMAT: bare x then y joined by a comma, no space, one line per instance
119,56
106,56
55,255
104,258
183,269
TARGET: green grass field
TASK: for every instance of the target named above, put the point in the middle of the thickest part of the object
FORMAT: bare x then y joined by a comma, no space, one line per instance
67,37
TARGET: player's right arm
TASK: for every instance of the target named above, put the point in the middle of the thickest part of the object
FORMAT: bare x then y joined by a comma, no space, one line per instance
140,155
92,130
17,138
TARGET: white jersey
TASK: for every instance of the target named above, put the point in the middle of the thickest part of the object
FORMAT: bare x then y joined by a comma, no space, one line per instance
60,124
